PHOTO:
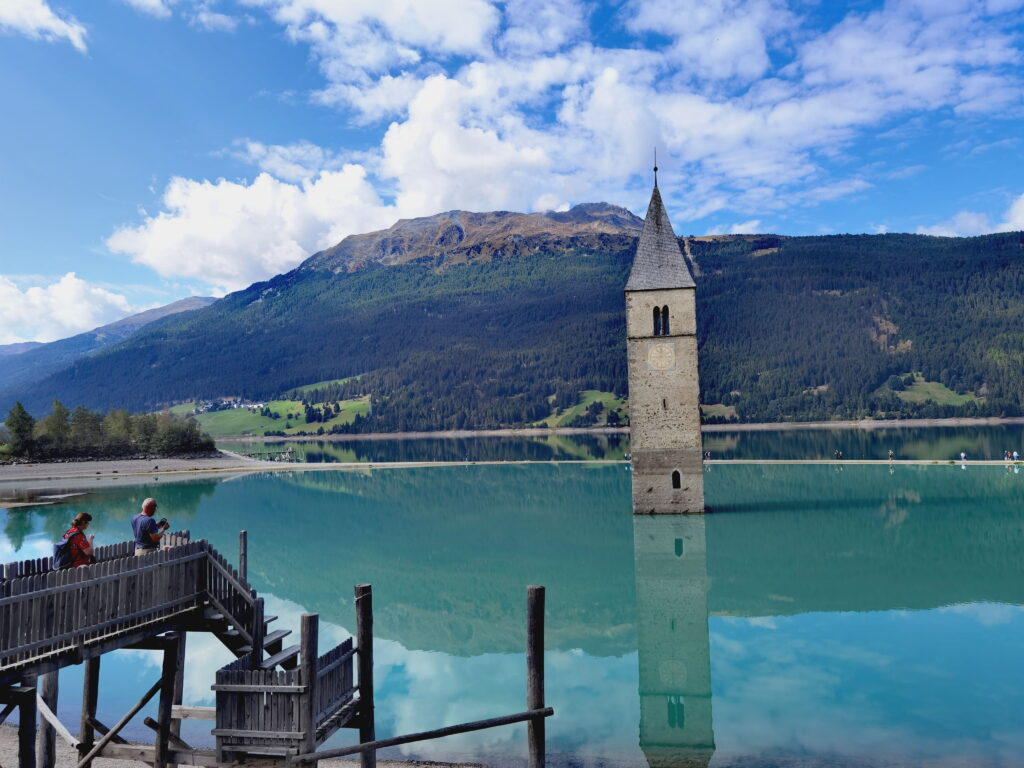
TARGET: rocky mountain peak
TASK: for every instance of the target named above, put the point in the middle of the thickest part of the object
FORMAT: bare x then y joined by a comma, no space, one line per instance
458,236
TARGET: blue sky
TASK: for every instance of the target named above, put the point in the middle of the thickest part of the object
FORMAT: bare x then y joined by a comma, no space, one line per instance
153,149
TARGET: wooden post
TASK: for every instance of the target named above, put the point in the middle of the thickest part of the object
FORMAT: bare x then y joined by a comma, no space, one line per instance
364,646
163,710
27,725
46,741
243,555
90,695
535,672
259,632
179,684
308,654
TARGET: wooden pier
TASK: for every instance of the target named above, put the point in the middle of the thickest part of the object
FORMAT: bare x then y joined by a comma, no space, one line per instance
275,705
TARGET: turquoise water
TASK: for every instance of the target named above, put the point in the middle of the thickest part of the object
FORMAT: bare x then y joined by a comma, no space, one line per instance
862,616
908,443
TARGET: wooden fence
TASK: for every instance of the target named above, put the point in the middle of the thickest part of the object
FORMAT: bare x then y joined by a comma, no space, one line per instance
117,551
270,711
50,613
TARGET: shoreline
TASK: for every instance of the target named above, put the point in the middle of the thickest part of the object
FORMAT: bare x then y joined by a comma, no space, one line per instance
767,426
67,757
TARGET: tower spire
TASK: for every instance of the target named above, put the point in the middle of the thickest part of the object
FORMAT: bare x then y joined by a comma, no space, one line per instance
655,167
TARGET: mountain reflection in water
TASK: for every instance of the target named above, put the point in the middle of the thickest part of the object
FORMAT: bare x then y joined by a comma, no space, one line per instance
818,617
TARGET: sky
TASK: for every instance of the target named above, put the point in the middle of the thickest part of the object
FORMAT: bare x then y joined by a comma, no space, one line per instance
156,149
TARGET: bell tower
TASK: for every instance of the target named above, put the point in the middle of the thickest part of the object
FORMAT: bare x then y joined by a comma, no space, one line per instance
664,390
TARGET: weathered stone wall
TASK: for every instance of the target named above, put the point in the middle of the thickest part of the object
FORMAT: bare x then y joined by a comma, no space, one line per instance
682,312
653,483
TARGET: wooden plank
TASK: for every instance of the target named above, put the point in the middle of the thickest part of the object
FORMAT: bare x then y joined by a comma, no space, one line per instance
309,641
241,732
437,733
27,728
243,555
182,712
119,725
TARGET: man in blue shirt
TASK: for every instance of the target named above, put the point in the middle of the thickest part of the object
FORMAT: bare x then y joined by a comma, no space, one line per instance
148,531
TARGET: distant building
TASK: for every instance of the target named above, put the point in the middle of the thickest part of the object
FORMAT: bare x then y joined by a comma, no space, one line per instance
664,389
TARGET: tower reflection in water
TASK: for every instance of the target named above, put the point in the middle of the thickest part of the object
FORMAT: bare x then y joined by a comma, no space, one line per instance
672,627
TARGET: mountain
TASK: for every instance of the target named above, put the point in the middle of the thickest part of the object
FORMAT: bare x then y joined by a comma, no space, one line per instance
35,361
6,350
458,237
486,320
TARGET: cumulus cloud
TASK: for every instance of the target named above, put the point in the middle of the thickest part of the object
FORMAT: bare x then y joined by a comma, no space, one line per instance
57,310
969,223
229,234
35,19
290,162
516,105
161,9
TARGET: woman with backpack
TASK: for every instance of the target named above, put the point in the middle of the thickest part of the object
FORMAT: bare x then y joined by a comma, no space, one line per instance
76,549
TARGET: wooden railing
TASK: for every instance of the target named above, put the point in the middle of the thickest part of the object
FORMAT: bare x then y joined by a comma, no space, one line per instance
271,711
231,594
40,565
51,613
334,684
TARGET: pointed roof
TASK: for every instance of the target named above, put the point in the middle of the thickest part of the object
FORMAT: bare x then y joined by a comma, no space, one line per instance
658,263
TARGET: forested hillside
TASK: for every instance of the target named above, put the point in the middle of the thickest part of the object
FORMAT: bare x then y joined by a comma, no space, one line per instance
789,328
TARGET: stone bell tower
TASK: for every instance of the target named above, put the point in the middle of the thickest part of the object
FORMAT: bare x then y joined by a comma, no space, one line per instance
664,391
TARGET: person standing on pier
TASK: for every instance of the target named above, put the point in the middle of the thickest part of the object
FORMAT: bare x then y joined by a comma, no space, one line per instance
148,531
79,546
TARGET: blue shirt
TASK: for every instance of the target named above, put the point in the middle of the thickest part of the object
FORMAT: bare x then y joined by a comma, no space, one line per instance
143,526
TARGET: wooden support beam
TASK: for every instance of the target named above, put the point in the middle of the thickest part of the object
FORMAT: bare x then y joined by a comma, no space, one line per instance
179,685
364,644
104,730
51,719
90,695
309,653
46,739
535,673
163,710
7,712
451,730
243,555
180,712
173,739
27,727
109,735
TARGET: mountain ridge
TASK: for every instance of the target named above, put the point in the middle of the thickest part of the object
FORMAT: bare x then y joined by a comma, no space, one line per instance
43,359
454,237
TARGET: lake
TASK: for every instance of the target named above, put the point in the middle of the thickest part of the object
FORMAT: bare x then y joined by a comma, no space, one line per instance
820,615
926,443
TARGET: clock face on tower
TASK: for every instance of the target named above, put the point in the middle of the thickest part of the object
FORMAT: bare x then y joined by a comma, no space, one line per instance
661,357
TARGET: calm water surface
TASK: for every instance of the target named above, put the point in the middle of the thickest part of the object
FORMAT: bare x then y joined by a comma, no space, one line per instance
827,617
909,443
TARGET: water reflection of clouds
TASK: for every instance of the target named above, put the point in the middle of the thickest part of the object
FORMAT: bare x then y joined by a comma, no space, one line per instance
944,688
420,690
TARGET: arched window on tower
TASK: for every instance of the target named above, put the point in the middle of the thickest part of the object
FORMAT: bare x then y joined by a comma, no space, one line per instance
677,479
657,322
664,321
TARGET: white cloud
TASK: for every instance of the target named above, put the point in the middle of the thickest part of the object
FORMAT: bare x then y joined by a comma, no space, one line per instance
35,19
161,9
739,228
508,105
290,162
229,234
63,308
206,18
970,223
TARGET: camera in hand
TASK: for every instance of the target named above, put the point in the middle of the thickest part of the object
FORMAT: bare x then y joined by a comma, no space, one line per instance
162,523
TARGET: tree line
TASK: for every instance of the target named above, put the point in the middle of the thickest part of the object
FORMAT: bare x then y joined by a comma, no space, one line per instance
82,433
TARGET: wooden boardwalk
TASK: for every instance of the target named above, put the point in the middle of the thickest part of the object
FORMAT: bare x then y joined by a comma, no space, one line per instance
273,704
